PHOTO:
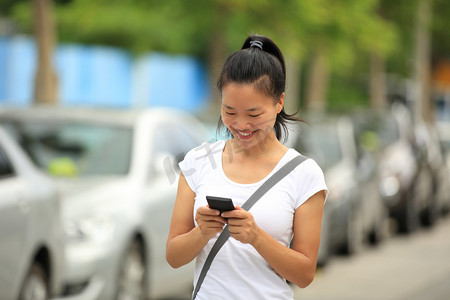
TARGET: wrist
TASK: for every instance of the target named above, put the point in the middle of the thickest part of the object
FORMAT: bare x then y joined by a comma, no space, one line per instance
258,236
203,238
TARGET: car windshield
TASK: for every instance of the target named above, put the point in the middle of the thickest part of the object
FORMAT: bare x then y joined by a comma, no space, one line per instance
381,131
321,143
388,131
75,149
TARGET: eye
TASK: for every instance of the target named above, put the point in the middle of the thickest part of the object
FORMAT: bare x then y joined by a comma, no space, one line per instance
255,116
230,113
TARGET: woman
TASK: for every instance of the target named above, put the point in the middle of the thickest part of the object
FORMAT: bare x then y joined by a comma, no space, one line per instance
256,261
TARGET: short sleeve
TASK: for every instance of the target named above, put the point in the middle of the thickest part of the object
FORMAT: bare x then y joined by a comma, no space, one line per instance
310,179
188,168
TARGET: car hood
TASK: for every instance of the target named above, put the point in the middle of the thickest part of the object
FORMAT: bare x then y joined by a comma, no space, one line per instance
81,195
73,186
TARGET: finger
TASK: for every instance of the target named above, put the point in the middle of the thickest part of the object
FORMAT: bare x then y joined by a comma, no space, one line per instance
240,214
210,218
205,210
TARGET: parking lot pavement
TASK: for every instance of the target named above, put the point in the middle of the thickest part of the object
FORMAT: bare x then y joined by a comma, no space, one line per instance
404,267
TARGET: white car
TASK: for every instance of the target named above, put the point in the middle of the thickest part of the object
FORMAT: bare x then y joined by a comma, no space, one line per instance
118,173
31,236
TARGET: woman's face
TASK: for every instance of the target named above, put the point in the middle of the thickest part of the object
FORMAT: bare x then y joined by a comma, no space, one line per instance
250,115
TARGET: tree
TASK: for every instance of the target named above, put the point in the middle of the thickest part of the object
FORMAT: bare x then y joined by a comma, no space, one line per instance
422,61
338,37
45,88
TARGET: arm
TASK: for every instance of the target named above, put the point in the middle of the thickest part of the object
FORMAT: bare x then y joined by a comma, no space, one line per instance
298,264
185,240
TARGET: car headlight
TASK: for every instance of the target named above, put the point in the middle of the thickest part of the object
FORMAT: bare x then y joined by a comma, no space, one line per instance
92,228
389,186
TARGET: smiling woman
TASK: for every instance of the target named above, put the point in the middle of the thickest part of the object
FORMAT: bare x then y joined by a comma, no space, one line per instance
252,84
249,114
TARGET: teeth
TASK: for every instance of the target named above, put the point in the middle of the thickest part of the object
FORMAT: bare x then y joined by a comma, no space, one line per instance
244,134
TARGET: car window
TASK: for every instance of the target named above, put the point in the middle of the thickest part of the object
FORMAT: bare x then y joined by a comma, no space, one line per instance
174,140
6,168
321,142
388,131
74,148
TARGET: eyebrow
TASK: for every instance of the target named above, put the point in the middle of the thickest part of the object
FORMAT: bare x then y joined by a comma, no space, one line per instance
250,109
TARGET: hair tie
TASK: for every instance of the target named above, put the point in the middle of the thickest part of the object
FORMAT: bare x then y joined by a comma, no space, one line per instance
257,44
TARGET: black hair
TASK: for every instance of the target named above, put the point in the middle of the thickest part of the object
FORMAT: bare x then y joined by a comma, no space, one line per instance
259,62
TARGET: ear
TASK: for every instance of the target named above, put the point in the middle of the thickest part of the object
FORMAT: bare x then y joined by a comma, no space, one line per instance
280,103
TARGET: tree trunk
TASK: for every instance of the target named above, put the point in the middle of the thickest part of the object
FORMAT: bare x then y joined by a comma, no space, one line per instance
45,89
423,105
216,58
377,83
292,99
318,78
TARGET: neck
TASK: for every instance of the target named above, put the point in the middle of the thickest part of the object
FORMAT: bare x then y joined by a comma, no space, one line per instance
263,149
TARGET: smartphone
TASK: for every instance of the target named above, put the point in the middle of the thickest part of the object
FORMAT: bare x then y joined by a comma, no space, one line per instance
220,203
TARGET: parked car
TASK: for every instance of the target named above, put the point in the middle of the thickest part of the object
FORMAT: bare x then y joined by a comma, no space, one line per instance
443,133
406,181
31,236
354,212
118,172
433,158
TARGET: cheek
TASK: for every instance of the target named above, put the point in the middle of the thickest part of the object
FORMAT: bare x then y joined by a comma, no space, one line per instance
267,123
226,120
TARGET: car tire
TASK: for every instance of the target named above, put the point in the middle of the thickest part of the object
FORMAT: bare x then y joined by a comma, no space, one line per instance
36,284
380,229
431,213
133,273
409,218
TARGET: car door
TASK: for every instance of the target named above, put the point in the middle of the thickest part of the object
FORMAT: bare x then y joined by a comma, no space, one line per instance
170,143
14,220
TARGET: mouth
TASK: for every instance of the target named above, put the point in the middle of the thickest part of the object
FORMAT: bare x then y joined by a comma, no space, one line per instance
245,135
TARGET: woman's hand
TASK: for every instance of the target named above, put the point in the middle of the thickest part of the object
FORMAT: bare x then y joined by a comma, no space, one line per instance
242,225
209,221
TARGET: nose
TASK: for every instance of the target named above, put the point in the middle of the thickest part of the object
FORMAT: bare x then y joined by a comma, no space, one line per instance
242,123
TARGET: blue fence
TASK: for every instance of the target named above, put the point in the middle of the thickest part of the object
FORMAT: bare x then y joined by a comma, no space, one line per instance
104,76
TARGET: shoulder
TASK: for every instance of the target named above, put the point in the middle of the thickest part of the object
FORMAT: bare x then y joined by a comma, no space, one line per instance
206,150
306,179
202,155
308,167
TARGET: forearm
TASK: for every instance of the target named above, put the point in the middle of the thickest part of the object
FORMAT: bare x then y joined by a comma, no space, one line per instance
182,249
288,263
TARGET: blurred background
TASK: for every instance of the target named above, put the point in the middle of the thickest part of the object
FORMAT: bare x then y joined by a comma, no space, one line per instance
99,100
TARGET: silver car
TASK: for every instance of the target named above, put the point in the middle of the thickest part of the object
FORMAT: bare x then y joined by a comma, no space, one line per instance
31,237
118,172
354,212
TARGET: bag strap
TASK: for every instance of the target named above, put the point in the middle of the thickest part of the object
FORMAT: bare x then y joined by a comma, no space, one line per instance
223,237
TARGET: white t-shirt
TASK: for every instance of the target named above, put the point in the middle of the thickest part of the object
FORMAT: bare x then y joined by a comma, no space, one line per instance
238,271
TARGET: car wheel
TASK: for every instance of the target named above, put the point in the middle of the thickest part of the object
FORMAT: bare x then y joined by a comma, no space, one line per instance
131,285
380,229
430,214
35,286
409,219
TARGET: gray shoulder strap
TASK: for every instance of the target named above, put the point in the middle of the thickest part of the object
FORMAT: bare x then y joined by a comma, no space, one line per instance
223,237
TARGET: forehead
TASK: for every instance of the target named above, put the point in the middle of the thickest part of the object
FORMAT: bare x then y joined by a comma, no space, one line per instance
238,95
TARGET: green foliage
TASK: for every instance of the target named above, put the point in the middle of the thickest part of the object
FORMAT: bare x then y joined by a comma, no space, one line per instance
347,30
347,93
